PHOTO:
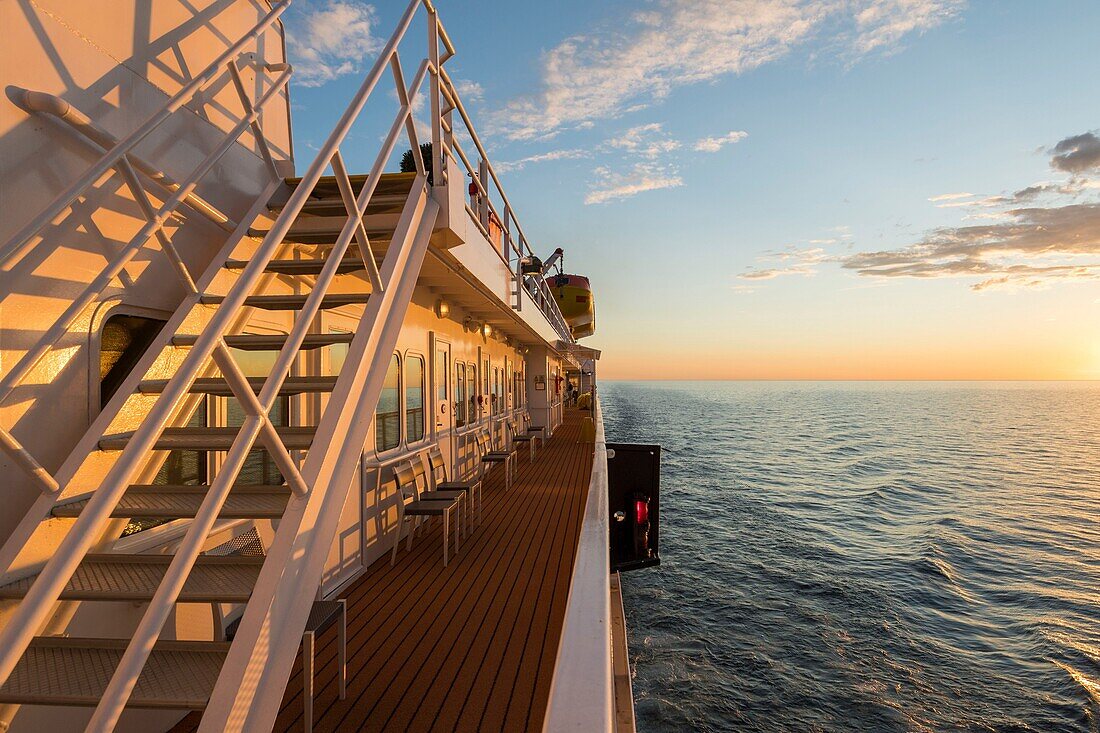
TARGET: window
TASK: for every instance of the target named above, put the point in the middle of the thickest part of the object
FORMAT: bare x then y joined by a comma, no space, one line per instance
496,390
471,386
460,394
387,419
414,399
122,343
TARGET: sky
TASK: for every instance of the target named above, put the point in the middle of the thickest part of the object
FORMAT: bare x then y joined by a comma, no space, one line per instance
778,189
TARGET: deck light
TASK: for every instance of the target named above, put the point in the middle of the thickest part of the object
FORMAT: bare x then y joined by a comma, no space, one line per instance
442,309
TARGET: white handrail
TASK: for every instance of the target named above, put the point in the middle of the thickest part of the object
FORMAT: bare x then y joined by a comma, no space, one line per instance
548,305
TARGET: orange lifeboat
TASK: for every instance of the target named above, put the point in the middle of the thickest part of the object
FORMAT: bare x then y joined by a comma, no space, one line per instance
573,294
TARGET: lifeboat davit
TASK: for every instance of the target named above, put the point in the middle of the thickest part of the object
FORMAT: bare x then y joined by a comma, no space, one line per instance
574,296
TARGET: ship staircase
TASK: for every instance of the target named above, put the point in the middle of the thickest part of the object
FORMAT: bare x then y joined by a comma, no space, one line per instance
321,228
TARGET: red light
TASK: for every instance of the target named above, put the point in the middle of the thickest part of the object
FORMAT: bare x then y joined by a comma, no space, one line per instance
641,511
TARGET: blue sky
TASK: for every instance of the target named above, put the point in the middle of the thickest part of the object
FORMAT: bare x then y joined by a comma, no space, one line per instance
782,188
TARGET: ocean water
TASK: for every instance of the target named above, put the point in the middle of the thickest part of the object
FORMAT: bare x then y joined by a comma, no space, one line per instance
868,556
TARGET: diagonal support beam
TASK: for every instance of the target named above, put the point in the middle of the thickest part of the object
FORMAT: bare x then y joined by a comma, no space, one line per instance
347,194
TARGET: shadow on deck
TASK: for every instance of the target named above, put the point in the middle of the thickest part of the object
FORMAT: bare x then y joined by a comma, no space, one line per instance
471,646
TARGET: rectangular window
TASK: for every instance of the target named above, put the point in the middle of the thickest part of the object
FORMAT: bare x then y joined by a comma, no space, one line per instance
486,389
471,398
387,419
414,399
442,368
460,394
496,402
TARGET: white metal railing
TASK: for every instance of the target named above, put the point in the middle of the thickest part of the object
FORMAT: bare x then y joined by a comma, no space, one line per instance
120,155
582,694
516,247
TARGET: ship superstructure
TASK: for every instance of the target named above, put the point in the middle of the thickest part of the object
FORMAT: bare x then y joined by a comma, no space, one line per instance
216,373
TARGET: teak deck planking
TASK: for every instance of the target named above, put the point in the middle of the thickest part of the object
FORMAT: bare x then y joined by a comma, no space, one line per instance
471,646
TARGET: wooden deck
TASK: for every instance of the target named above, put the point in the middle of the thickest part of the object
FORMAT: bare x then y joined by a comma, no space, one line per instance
469,647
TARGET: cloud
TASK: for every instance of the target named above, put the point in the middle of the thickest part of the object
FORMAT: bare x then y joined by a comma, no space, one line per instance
469,91
884,23
649,141
1077,154
611,186
334,41
1047,232
672,43
802,261
518,165
714,144
1032,247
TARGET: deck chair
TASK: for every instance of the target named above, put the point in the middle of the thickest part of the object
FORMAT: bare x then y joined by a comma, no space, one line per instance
472,488
436,493
538,430
525,437
490,457
411,506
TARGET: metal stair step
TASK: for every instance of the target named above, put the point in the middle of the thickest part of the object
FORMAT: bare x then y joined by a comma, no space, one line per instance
217,439
143,501
292,302
75,671
325,229
389,184
118,577
302,267
334,205
218,387
271,342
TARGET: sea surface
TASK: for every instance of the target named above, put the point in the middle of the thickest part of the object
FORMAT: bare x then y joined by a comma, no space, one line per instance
868,556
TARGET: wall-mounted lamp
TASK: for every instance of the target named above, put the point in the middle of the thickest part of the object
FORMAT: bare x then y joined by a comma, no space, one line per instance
442,308
486,330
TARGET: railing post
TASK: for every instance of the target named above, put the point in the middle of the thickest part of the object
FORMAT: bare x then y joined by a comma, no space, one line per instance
439,173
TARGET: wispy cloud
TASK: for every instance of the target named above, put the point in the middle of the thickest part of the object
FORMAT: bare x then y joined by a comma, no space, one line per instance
648,141
1024,246
796,261
671,43
714,144
518,165
884,23
611,186
335,39
469,91
951,197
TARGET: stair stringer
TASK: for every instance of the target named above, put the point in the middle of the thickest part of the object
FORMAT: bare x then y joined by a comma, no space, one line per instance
250,687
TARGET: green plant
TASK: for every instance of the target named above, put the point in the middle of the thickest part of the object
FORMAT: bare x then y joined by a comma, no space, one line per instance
408,163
